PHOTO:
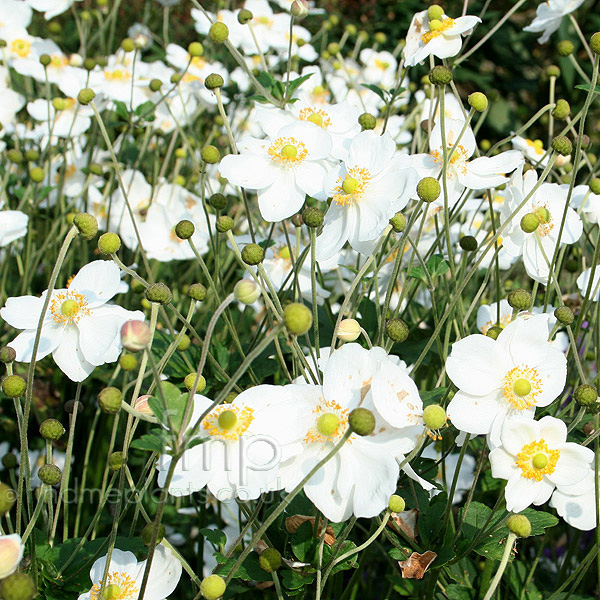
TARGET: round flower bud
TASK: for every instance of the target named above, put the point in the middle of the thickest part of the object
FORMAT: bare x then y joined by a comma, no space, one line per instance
351,29
218,201
435,12
7,354
380,37
14,386
298,318
396,329
218,32
159,293
252,254
333,48
562,144
155,85
184,343
175,78
553,71
189,382
396,503
50,474
148,532
494,332
51,429
565,48
128,45
520,299
361,421
530,222
312,216
244,16
478,101
45,60
213,81
428,189
367,121
18,586
89,64
195,49
212,587
197,292
109,243
224,224
128,362
270,560
468,243
562,109
595,43
85,96
440,75
109,400
398,222
586,395
7,498
37,174
32,155
246,291
185,229
299,8
95,169
519,525
135,335
10,461
15,156
210,155
434,416
86,224
115,461
349,330
564,315
595,185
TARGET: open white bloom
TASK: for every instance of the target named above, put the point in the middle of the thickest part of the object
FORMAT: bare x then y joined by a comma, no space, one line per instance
380,67
11,553
125,576
367,190
13,225
576,504
70,122
441,38
583,282
14,15
282,169
586,202
461,172
80,328
535,458
532,149
487,315
513,374
549,15
51,8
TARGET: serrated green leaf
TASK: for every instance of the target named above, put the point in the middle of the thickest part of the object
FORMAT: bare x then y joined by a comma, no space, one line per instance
154,441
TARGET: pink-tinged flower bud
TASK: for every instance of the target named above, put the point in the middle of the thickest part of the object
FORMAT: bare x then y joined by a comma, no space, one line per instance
142,406
135,335
11,553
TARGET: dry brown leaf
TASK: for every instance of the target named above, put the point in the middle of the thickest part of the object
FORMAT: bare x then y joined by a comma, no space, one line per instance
292,524
406,522
416,564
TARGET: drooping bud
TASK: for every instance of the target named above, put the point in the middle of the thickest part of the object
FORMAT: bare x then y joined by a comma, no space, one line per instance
298,318
135,335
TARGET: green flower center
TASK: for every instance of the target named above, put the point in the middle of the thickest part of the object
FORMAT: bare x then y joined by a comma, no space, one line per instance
540,461
69,308
543,214
112,591
521,387
289,151
350,185
315,118
227,420
327,424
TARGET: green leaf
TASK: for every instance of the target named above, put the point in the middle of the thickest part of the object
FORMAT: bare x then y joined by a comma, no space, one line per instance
437,265
379,91
175,401
294,84
432,396
459,592
214,536
293,580
586,88
121,110
146,109
154,441
303,542
249,570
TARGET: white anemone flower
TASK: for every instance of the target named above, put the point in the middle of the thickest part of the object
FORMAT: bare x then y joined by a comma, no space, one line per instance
513,374
283,169
576,504
532,149
535,458
586,202
13,225
11,553
437,37
548,16
583,281
80,329
125,576
51,8
367,190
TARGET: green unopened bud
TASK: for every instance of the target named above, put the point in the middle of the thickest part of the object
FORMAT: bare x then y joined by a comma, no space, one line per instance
214,81
252,254
197,292
519,525
155,85
128,45
478,101
224,224
185,229
210,155
159,293
51,429
396,504
37,174
563,145
18,586
298,318
109,400
269,560
468,243
553,71
32,155
586,395
494,332
7,355
86,224
398,222
595,43
184,343
89,64
565,48
312,217
428,189
7,498
115,461
367,121
14,386
10,461
189,381
380,37
218,201
195,49
440,75
244,16
595,185
361,421
15,156
109,243
520,299
562,109
85,96
246,291
212,587
50,474
148,533
218,32
45,60
434,416
128,362
396,330
530,222
564,315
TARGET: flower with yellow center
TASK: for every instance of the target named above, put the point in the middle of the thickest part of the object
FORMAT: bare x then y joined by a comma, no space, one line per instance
20,47
535,458
513,374
228,422
487,316
331,422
